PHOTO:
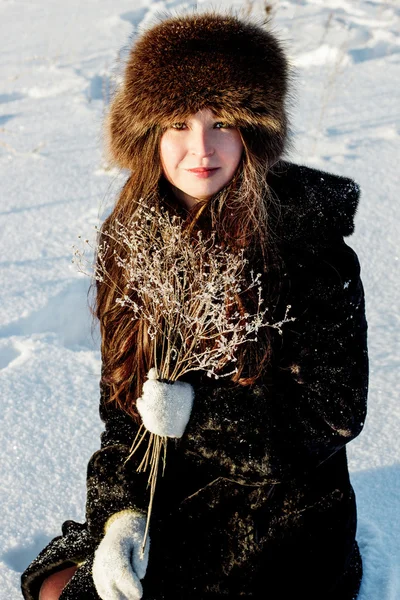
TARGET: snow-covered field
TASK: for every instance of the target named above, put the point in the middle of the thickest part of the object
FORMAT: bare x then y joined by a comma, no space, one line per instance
59,62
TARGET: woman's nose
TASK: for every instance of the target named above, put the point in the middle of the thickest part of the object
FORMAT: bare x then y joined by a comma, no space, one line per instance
201,143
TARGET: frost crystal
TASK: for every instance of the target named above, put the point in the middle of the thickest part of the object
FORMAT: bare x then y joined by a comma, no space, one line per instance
184,288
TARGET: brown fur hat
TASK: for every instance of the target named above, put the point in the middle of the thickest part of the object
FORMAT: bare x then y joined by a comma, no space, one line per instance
190,62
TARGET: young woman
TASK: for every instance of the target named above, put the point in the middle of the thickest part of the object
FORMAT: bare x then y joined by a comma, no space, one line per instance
255,500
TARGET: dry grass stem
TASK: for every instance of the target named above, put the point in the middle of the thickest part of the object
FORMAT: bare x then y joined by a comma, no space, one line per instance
185,288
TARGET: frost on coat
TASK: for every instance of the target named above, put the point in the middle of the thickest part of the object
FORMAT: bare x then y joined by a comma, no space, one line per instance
256,499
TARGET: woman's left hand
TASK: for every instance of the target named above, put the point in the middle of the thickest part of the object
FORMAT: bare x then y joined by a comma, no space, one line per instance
165,408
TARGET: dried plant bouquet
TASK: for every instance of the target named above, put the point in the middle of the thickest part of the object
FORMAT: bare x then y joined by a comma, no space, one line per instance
184,287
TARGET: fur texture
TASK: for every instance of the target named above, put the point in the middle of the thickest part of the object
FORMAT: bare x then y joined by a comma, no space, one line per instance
256,499
187,63
75,546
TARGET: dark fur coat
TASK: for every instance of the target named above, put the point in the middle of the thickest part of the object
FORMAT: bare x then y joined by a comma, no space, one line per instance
256,500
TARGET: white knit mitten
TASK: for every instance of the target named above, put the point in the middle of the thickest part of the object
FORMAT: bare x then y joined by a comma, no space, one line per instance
165,407
118,565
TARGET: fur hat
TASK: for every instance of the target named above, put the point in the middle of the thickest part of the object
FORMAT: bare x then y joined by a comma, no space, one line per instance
187,63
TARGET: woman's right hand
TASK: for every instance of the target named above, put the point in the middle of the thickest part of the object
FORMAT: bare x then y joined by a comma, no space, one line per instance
118,563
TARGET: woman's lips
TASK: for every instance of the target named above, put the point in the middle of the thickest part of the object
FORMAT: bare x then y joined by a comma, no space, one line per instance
203,172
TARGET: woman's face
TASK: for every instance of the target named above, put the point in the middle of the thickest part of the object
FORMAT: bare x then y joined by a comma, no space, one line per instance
200,156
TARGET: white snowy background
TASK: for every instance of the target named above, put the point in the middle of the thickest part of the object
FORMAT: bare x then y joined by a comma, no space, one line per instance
59,62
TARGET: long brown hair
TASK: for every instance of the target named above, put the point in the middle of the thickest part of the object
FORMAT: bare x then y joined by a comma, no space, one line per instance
241,214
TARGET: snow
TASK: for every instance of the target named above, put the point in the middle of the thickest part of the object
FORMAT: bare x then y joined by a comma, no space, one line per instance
59,64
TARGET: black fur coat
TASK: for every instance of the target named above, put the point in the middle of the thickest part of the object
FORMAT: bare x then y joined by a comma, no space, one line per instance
256,500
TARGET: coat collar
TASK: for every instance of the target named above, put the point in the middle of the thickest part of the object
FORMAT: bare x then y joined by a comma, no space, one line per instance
313,204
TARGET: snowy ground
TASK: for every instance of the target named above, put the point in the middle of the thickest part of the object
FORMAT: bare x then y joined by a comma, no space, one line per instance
59,61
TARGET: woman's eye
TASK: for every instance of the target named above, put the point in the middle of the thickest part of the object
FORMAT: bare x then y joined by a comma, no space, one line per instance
222,125
178,125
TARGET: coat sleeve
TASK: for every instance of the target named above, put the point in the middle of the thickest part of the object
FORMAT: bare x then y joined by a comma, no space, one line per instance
312,400
113,483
